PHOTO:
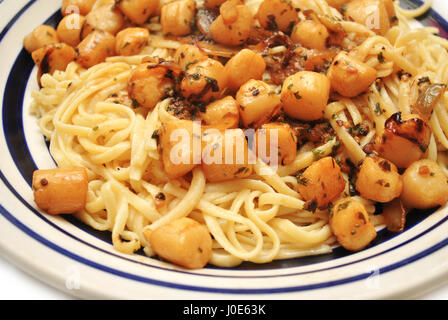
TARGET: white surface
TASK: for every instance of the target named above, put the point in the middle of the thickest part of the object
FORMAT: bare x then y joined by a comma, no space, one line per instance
18,285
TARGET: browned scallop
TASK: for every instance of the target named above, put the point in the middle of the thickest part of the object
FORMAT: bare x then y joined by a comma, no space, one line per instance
257,103
187,55
131,41
41,36
62,190
405,139
276,139
221,113
244,66
204,80
233,25
351,224
149,84
213,4
277,15
53,57
225,155
69,29
350,77
374,14
424,185
378,180
310,34
183,241
95,48
82,7
105,18
177,17
321,183
138,11
177,141
305,95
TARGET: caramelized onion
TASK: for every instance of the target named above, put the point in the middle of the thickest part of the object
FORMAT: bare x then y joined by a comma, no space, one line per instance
204,18
169,65
211,49
337,32
394,214
217,49
428,98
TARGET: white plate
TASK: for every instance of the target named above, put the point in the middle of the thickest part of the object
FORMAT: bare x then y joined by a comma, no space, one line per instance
77,260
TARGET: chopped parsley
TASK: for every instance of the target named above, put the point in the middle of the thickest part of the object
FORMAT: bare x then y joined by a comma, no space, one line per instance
302,180
344,205
378,110
318,153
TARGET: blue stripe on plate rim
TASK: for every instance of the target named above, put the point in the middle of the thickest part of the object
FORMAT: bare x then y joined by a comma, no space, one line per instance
55,247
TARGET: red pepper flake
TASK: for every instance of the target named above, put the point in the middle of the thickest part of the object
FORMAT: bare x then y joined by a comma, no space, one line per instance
160,200
340,123
423,170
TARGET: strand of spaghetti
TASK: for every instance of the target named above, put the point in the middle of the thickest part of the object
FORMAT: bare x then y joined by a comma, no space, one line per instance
290,232
118,232
220,237
241,184
404,103
208,208
144,206
224,259
377,112
273,179
354,27
439,123
400,61
304,160
230,226
68,107
269,255
432,149
136,224
353,110
387,108
367,139
94,202
151,125
212,213
225,198
355,151
111,153
138,155
281,200
368,45
413,13
189,201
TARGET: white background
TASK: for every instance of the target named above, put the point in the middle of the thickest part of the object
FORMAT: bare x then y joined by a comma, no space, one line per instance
16,284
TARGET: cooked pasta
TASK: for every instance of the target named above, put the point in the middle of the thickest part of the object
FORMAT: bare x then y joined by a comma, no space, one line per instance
95,119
